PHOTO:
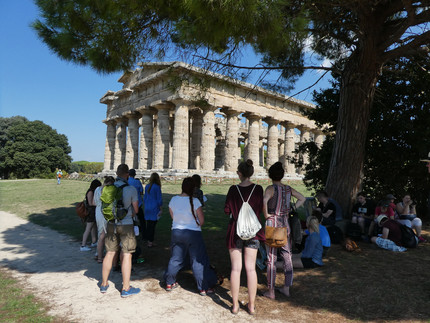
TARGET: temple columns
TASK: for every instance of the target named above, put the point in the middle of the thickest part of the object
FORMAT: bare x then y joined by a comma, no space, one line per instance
253,139
109,145
132,142
196,138
207,148
272,142
180,136
289,145
162,137
120,139
146,139
231,140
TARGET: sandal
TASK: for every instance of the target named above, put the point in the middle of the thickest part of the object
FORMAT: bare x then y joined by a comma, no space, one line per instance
169,288
100,260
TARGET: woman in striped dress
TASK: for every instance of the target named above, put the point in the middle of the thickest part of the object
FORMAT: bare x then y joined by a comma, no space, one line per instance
276,209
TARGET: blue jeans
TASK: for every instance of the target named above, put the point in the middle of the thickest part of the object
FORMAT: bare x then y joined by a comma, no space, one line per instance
190,242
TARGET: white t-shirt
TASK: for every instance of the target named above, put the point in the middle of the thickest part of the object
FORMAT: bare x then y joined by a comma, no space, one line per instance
183,219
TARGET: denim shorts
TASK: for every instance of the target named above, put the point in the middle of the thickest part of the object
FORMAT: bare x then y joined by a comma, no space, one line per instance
251,243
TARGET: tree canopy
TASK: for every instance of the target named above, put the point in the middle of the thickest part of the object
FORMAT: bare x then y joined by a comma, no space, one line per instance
31,148
358,36
398,136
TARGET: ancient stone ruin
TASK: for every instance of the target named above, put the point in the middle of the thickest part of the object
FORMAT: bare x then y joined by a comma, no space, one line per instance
175,118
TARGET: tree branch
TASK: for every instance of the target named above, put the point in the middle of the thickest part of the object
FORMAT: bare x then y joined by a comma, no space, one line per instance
260,67
407,48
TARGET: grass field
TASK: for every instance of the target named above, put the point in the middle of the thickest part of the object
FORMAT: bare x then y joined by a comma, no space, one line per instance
370,285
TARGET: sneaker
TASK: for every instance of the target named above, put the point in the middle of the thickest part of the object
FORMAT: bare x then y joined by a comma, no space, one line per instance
94,245
202,292
103,289
421,239
85,248
130,292
169,288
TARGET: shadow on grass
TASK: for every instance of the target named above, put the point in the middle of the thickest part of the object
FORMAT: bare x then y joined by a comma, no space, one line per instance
371,285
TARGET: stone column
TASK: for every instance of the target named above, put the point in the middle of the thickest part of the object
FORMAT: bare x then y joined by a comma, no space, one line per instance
162,137
319,138
290,168
253,138
120,138
132,142
272,142
304,137
196,139
231,140
281,145
109,145
207,148
180,136
146,138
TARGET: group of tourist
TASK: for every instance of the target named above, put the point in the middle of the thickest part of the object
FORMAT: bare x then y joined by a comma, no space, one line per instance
387,217
187,243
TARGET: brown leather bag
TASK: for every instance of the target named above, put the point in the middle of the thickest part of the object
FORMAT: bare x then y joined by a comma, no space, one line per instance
276,237
81,210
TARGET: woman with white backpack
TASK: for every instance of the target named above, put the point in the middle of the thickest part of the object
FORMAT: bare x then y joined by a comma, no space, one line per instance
236,196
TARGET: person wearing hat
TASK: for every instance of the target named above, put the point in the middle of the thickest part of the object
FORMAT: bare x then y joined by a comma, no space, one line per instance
383,208
391,238
428,162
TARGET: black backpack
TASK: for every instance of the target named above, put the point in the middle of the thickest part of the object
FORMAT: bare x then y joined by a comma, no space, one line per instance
409,239
335,233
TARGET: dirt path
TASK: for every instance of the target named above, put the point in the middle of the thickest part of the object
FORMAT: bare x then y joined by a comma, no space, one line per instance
52,267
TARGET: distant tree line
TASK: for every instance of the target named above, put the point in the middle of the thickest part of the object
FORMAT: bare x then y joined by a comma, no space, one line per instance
86,167
31,149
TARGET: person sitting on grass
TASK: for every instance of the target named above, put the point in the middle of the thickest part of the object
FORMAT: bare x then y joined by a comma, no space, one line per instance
311,256
383,208
327,209
325,237
391,238
362,212
408,215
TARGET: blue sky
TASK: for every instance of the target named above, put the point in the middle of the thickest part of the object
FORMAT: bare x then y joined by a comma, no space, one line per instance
38,85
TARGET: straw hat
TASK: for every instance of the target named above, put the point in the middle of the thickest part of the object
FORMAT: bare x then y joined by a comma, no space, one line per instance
426,160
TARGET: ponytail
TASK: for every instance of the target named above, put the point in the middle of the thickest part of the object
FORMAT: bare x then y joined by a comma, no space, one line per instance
188,188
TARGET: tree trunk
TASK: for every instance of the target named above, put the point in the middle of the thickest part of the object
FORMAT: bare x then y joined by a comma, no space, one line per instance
356,97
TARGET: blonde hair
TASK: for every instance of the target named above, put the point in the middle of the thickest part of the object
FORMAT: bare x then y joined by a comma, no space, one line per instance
313,223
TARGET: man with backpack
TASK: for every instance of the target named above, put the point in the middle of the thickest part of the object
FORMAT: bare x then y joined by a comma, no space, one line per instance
391,238
120,231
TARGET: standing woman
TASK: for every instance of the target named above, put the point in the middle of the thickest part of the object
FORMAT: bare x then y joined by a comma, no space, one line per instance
153,203
276,209
90,222
237,246
187,240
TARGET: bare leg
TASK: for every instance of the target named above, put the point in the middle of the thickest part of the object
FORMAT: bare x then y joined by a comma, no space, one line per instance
126,270
94,233
87,232
251,275
236,268
107,266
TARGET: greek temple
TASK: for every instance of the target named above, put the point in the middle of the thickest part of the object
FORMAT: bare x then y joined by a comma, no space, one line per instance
173,117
